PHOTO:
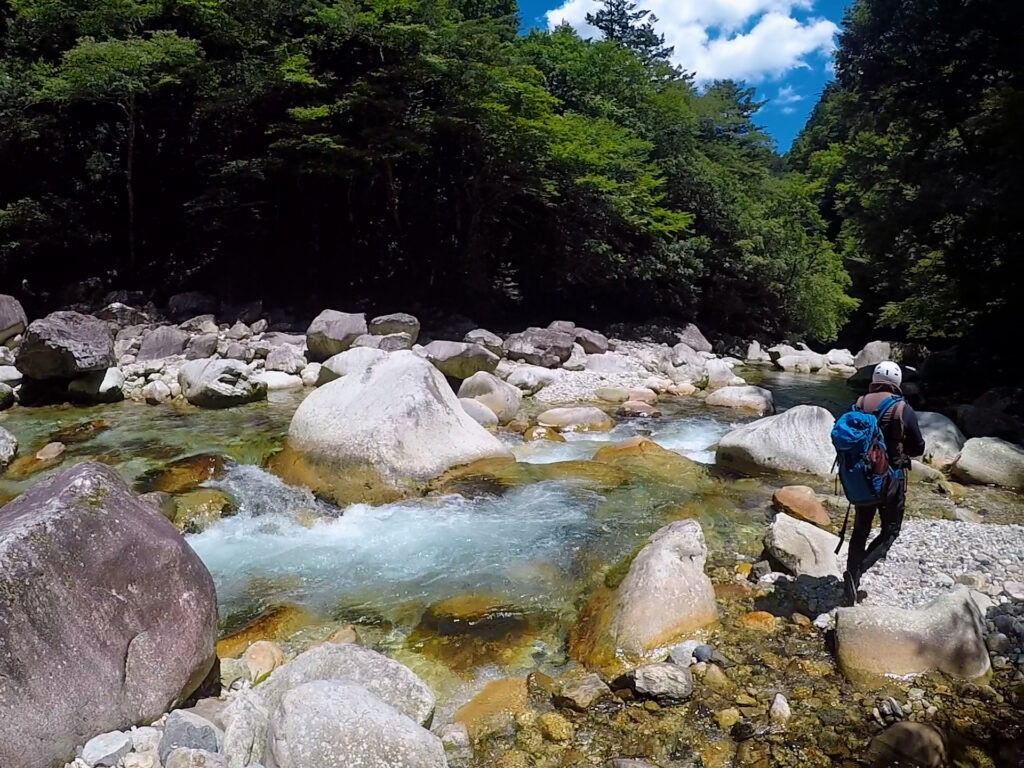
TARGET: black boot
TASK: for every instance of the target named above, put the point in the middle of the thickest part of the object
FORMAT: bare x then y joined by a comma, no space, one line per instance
849,589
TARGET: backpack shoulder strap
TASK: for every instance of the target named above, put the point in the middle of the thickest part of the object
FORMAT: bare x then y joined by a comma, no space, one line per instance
886,404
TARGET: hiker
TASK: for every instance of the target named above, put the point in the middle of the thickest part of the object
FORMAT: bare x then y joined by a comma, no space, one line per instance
899,427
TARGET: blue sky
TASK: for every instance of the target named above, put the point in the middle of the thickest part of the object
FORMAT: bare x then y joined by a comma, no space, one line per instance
783,48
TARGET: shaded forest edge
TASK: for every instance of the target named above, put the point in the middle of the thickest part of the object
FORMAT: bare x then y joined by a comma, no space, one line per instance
422,153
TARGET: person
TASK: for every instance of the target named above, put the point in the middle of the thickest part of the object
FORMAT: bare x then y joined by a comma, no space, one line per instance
903,440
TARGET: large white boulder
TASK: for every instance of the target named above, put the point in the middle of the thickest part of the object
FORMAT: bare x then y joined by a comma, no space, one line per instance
803,549
943,440
991,461
399,322
721,375
355,360
664,597
749,398
582,418
873,353
219,383
946,635
801,362
382,434
693,338
501,397
332,332
338,724
798,440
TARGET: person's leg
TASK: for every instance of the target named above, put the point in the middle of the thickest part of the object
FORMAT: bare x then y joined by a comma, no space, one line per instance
855,554
891,514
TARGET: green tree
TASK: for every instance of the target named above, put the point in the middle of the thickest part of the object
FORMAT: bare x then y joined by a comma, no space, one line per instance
118,74
622,22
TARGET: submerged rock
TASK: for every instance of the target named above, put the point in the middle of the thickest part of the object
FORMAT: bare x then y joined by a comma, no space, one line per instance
917,744
664,596
750,398
66,345
946,635
495,707
798,440
129,621
383,434
991,461
583,418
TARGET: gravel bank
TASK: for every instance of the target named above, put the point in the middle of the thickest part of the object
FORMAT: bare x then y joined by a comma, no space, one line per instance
930,556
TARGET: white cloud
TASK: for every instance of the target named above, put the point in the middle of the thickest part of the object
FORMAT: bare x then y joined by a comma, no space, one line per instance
789,110
787,95
748,40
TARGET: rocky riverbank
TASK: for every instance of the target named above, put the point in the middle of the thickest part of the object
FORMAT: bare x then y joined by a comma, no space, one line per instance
712,636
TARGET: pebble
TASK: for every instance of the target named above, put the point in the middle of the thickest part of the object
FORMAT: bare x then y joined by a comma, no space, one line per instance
930,556
107,748
683,654
703,653
146,738
1014,590
555,726
780,711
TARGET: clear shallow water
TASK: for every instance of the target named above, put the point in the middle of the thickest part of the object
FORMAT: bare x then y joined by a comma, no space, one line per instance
537,547
693,436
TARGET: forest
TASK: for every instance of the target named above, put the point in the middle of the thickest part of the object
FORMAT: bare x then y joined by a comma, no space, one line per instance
431,153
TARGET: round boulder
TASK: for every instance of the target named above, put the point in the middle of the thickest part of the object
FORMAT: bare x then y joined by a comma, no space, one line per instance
332,332
382,434
219,383
459,360
798,440
584,418
748,398
65,345
943,440
127,624
501,397
990,461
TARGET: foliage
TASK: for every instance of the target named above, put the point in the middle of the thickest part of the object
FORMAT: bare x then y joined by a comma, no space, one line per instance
341,152
915,160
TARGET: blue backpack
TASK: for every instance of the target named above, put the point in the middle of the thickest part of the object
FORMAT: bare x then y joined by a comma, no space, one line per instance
861,456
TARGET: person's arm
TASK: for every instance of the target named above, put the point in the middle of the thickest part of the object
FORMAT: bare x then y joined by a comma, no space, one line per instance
913,440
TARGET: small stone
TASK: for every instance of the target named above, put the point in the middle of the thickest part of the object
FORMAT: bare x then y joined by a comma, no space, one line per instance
189,732
50,451
146,739
107,748
727,718
780,711
455,738
826,621
743,570
1014,590
800,620
997,642
346,634
762,621
141,760
746,700
194,758
972,580
261,658
582,693
916,694
682,654
716,680
759,570
943,580
665,683
555,727
702,653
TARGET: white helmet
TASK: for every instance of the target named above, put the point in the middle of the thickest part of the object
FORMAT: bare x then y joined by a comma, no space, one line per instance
887,372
